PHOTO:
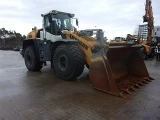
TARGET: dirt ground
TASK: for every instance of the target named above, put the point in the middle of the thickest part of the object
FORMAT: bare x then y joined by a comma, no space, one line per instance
42,95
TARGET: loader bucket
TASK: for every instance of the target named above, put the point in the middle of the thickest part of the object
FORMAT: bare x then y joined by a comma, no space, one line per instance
118,70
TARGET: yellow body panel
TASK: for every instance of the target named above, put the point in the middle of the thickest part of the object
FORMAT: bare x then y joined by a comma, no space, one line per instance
33,34
147,48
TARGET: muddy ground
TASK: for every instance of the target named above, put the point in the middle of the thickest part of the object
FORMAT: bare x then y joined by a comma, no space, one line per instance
42,95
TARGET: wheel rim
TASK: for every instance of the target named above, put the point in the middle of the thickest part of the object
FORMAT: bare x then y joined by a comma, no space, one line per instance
28,60
63,62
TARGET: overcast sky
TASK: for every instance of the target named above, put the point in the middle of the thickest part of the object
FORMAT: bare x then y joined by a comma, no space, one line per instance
115,17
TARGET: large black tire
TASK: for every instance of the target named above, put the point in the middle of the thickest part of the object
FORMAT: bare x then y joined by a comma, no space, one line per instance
152,54
68,61
31,61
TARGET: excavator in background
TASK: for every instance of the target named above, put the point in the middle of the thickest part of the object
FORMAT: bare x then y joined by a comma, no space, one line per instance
112,69
148,46
148,49
134,39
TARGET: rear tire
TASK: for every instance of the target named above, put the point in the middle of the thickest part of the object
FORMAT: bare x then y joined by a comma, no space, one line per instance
152,54
143,54
68,61
31,61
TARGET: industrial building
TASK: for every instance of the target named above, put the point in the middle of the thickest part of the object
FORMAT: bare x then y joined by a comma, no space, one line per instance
157,31
143,31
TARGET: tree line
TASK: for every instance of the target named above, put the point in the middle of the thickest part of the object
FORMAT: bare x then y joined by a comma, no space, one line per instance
10,39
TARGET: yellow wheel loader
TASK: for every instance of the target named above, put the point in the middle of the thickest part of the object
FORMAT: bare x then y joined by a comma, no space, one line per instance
112,69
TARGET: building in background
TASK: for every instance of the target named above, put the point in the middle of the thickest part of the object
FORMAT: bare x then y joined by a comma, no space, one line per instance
143,31
156,31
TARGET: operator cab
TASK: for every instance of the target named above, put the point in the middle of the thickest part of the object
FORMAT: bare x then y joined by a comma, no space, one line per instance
119,39
55,21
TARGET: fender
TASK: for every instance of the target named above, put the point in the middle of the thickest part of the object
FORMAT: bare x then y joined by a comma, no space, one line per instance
30,42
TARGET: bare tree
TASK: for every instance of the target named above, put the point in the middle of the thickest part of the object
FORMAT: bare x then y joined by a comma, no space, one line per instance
136,30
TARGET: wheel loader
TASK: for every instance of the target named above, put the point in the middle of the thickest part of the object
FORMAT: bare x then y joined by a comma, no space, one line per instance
117,41
112,69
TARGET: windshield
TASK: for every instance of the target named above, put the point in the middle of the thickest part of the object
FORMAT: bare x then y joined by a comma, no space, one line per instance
118,39
63,21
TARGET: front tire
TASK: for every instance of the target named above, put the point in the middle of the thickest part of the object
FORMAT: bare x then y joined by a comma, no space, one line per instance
68,61
31,61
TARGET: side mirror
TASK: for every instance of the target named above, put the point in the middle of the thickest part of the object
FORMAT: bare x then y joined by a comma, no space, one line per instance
77,22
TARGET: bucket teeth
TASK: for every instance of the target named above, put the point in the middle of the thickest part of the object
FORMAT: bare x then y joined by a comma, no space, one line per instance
144,81
141,83
126,91
129,85
132,88
137,85
151,78
148,79
121,95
